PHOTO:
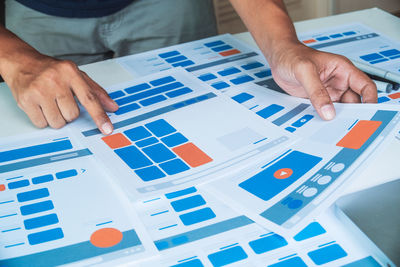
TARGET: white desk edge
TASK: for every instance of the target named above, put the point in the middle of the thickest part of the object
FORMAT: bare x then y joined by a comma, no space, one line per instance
384,167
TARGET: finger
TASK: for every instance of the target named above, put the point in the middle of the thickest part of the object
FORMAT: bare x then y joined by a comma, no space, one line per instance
89,100
350,96
308,76
101,94
35,114
360,83
52,113
68,106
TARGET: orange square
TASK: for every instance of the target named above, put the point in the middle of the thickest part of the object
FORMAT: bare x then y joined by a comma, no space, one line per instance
394,96
2,187
229,52
192,155
116,140
359,134
309,41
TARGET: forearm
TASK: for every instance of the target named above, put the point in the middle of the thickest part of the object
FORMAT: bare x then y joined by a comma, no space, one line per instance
268,22
14,53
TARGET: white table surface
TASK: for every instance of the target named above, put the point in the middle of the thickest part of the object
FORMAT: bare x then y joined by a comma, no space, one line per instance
384,168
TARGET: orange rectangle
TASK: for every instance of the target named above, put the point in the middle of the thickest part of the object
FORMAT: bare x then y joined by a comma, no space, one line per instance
229,52
359,134
394,96
309,41
192,155
116,140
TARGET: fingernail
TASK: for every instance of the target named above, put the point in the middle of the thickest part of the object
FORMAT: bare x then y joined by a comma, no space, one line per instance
107,128
328,112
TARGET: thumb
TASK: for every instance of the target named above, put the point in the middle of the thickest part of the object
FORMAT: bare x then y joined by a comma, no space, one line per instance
308,76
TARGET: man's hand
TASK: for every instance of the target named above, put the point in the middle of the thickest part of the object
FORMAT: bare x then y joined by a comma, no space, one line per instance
44,89
322,77
299,70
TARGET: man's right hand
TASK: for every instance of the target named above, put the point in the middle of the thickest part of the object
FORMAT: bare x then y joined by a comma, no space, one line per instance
44,89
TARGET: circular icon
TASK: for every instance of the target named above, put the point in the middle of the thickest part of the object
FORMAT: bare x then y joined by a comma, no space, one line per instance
324,180
106,237
309,192
337,167
283,173
294,204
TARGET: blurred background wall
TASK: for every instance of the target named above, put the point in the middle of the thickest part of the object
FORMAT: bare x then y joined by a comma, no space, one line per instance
229,22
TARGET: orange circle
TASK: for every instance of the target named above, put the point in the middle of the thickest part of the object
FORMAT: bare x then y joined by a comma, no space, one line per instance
2,187
283,173
106,237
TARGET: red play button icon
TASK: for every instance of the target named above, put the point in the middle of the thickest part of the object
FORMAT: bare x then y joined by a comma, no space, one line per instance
283,173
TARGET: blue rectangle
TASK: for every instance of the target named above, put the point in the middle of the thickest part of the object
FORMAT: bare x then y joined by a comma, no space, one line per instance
137,88
188,203
242,79
323,38
66,174
137,133
390,52
371,57
292,262
303,120
174,139
394,57
32,195
207,77
169,54
379,61
180,193
174,166
221,48
327,254
160,128
41,221
133,157
18,184
349,33
127,108
295,165
311,230
159,153
267,243
147,142
242,97
36,150
183,63
269,111
220,85
215,43
290,129
116,94
191,263
42,179
153,100
263,74
337,35
227,256
161,81
291,114
36,207
197,216
179,92
176,59
45,236
228,71
383,99
148,93
365,262
252,65
150,173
